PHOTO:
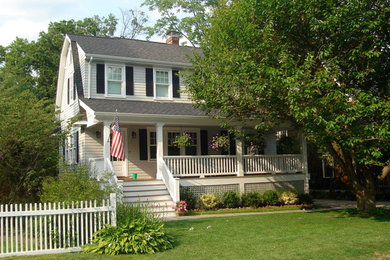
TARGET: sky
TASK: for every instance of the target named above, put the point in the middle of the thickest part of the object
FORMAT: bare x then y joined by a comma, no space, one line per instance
26,18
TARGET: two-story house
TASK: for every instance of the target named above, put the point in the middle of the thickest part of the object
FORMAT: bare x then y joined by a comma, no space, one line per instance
139,81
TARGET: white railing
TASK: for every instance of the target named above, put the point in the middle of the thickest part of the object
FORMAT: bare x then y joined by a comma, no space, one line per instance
210,165
283,163
46,228
172,184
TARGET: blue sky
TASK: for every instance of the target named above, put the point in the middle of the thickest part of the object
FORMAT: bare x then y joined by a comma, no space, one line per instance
26,18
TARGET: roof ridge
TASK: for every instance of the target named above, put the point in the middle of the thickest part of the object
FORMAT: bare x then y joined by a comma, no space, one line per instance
123,38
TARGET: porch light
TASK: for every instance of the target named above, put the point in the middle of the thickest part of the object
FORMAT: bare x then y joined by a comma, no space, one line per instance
98,134
133,135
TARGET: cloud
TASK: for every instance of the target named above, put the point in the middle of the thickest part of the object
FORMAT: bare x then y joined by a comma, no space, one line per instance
21,28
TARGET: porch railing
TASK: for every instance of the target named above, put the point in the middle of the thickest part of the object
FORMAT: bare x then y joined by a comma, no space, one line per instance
218,165
170,182
211,165
282,163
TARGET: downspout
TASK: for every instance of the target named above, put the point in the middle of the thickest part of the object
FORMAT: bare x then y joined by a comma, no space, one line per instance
90,76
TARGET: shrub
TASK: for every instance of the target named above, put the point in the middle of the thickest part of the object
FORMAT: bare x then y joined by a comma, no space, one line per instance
189,197
125,213
208,201
252,199
73,184
138,236
306,199
288,198
271,198
231,199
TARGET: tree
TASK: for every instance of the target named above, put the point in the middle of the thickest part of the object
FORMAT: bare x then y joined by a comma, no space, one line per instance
28,147
34,65
133,23
324,65
187,17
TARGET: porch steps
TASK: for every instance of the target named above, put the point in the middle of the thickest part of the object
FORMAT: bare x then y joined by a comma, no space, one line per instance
153,194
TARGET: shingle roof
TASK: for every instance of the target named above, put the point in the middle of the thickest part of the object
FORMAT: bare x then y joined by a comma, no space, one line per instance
142,107
134,48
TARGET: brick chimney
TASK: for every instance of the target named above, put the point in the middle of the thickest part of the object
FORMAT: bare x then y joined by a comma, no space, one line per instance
173,38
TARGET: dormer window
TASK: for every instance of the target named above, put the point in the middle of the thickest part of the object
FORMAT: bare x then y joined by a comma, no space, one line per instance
115,80
162,84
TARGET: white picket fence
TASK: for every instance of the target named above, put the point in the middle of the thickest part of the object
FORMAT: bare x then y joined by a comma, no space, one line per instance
44,228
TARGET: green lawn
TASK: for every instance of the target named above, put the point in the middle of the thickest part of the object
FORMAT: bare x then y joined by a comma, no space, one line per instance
320,235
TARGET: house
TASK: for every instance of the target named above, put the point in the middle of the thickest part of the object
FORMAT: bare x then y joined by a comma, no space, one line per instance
100,78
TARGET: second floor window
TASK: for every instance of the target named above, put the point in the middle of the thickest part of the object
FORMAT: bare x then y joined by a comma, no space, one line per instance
162,84
114,80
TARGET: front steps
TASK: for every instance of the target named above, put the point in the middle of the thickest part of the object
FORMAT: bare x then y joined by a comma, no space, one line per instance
152,193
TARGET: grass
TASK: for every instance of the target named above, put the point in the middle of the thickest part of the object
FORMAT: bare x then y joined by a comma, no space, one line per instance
319,235
242,210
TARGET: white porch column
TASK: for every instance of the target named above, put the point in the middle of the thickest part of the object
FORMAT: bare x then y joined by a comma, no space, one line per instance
106,143
240,160
160,148
304,163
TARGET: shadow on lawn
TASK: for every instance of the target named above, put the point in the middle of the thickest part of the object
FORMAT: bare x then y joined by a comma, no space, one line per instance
379,214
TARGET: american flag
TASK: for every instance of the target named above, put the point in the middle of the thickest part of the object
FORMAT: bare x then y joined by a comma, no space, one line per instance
116,141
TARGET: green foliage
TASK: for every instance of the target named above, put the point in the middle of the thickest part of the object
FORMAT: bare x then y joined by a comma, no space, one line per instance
208,201
323,65
231,199
187,17
305,198
137,236
287,145
28,147
288,198
252,199
271,198
74,184
189,197
125,213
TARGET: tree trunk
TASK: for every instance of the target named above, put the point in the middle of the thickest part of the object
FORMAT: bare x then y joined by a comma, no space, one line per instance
365,199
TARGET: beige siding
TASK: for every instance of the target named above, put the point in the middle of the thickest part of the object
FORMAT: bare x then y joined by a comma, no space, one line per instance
93,147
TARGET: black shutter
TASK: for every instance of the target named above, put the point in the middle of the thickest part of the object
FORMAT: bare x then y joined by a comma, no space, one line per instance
143,144
129,81
77,147
175,83
68,88
100,78
224,132
232,142
149,82
204,143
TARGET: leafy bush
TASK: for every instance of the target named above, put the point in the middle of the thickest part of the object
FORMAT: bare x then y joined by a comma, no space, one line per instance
74,184
271,198
231,199
305,198
252,199
208,201
125,213
189,197
138,236
288,198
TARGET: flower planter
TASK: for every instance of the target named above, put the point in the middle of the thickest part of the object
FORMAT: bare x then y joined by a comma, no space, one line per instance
181,213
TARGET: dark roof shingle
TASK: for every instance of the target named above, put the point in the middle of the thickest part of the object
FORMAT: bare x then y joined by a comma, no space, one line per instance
142,107
137,49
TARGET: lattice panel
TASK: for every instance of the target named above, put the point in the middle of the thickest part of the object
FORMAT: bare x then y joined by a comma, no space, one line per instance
286,185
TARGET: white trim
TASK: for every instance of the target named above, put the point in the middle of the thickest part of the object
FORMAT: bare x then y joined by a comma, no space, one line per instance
150,129
139,61
123,82
170,91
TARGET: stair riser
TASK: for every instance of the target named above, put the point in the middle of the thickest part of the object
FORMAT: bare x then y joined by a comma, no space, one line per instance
161,198
145,193
143,188
142,183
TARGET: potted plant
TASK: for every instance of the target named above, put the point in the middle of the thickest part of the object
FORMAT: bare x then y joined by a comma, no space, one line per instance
182,140
181,208
220,143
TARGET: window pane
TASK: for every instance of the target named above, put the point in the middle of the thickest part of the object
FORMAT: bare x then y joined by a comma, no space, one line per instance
114,73
191,150
162,77
153,138
173,150
161,91
152,152
114,87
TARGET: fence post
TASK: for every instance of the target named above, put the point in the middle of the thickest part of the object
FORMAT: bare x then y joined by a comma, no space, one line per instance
113,209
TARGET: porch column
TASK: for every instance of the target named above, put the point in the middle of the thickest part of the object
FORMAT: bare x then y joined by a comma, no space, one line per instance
106,143
160,148
304,163
240,160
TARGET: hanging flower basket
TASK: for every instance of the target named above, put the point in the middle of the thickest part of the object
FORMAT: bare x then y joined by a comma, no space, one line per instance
183,140
220,143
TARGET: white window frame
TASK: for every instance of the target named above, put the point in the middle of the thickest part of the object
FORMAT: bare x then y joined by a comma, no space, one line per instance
123,83
149,130
170,92
181,131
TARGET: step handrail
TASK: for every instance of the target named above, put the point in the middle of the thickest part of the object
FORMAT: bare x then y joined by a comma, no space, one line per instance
172,183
